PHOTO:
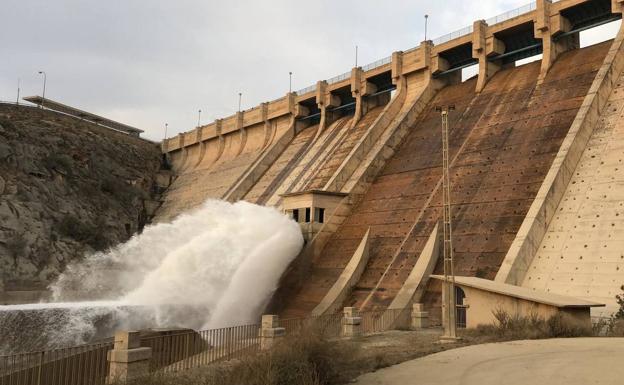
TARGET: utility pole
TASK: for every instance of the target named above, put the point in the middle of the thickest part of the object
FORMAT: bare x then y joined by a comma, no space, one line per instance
450,325
240,97
45,78
199,119
290,82
426,20
18,91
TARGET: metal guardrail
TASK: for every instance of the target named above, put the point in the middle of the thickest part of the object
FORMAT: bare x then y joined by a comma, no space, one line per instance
511,14
304,91
377,63
190,349
453,35
81,365
177,351
339,78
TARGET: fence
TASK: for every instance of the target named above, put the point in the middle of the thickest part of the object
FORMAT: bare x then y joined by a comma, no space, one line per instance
453,35
81,365
191,349
376,64
176,350
511,14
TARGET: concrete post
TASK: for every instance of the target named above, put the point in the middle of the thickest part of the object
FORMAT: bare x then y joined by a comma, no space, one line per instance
546,26
351,322
396,66
420,318
487,69
128,359
270,332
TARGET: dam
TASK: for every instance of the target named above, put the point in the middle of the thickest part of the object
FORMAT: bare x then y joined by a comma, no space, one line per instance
324,208
355,160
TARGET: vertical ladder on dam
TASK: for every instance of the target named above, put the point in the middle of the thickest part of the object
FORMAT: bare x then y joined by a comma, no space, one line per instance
450,326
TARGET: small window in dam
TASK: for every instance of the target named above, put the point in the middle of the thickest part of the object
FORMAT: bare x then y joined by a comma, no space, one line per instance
295,215
319,215
307,215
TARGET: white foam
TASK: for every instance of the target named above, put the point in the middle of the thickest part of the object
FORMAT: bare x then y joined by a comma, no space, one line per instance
216,266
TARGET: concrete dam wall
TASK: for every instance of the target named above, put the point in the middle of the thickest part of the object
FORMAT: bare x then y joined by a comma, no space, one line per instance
356,160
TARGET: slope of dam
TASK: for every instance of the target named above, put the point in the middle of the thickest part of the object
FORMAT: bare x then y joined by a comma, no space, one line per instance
582,252
207,169
502,143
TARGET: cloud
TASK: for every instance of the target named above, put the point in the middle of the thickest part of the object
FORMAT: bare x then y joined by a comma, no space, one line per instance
150,62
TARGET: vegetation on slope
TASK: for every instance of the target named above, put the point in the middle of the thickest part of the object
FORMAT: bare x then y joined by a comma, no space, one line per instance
67,187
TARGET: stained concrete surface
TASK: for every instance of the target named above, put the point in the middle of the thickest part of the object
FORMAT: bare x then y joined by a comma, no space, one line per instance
575,361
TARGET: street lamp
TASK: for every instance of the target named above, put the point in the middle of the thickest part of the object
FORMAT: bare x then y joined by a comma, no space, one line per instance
199,119
289,82
166,127
240,97
45,78
356,55
426,19
18,90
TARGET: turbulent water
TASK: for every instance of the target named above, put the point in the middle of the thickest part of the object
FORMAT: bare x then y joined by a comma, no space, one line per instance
214,267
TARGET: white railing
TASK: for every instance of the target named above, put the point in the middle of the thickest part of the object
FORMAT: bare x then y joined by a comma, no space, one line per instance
511,14
304,91
453,35
377,64
339,78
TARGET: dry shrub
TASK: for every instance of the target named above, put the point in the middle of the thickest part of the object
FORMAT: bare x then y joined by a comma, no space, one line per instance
306,359
517,327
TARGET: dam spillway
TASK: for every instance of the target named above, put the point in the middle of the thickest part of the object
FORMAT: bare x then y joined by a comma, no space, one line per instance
356,158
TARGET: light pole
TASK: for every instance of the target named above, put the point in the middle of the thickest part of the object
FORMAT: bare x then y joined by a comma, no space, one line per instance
450,325
199,118
289,82
166,127
356,55
426,19
18,91
240,98
45,78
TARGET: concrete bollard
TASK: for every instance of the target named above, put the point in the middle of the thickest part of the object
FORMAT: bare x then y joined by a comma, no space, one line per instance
270,332
351,322
420,318
128,359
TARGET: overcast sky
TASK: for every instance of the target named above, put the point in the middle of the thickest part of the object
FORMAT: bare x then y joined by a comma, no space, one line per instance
147,62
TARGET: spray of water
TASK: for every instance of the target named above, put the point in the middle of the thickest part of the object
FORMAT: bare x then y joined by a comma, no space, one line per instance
216,266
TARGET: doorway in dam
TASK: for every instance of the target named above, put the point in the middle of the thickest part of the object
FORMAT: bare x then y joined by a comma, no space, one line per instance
460,307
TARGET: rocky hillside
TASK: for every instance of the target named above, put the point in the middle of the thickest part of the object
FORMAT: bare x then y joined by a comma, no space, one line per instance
67,188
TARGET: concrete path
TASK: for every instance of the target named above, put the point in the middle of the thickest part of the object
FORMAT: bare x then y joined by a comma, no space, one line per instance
577,361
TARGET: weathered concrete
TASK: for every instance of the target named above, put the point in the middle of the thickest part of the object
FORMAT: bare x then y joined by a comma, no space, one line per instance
348,278
577,361
128,359
351,322
414,287
580,253
420,318
270,331
544,207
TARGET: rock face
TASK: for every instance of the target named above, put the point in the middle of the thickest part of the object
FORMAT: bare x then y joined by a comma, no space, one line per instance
67,188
